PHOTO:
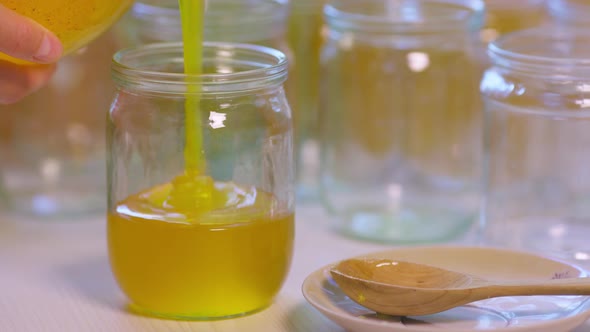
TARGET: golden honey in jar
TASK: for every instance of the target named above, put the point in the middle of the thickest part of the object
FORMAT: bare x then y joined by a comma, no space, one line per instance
211,242
219,259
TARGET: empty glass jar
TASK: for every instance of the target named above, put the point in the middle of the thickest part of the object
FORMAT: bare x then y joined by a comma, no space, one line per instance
204,242
245,21
306,36
537,143
400,118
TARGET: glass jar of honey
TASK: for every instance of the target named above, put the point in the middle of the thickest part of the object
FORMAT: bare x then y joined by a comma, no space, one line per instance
400,118
200,243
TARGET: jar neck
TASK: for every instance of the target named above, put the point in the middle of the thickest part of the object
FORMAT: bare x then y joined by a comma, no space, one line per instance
229,68
226,20
405,17
550,55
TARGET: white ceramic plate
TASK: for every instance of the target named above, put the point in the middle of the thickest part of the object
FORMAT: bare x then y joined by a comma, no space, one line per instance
519,313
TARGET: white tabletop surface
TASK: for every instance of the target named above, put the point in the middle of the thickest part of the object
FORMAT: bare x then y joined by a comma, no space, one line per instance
56,278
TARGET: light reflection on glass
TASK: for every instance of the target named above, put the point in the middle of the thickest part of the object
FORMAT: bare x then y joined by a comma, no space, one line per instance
50,170
395,193
418,61
216,120
225,53
558,231
221,69
488,35
78,134
346,41
493,81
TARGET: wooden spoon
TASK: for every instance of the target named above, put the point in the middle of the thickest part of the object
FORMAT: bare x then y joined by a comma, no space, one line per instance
410,289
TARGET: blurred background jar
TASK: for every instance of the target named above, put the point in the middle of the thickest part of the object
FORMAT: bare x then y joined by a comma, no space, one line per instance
244,21
570,13
306,32
537,143
400,118
53,161
5,134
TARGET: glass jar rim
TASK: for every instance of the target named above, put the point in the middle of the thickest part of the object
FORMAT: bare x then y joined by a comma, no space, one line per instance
544,51
266,68
406,16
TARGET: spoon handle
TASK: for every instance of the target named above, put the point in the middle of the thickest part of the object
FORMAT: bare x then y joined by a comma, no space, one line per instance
568,286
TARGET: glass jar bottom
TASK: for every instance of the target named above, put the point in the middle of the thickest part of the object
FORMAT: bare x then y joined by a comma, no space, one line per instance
56,204
54,189
560,237
191,317
410,224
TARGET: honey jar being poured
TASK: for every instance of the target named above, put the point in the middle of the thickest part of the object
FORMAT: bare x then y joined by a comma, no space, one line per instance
74,22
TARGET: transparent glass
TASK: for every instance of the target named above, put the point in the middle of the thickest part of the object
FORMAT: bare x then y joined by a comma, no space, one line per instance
5,134
244,21
306,32
400,118
537,143
54,160
504,16
573,13
260,22
200,244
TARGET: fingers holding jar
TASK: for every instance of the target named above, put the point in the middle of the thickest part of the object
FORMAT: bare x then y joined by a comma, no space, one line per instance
24,39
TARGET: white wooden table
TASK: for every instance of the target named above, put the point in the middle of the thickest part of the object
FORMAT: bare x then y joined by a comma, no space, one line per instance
56,278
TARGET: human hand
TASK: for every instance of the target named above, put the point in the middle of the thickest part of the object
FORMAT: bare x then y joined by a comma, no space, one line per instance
23,38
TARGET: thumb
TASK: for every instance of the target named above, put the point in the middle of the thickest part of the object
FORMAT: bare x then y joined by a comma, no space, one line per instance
23,38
